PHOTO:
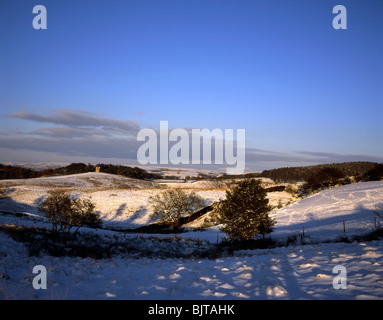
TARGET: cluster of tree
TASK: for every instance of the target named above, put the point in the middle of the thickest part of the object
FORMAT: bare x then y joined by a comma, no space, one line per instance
66,212
323,178
249,175
244,213
14,172
327,177
363,170
130,172
296,174
375,174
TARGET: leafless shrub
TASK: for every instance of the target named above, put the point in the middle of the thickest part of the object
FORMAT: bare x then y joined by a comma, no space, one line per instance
66,212
170,205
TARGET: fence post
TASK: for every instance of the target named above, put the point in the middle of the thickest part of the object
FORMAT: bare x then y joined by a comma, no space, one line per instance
344,226
375,222
303,229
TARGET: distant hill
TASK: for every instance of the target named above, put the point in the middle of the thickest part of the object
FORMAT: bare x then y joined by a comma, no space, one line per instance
295,174
17,172
37,166
90,180
288,174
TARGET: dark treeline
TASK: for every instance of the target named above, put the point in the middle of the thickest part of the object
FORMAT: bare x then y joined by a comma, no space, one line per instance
131,172
363,170
14,172
360,169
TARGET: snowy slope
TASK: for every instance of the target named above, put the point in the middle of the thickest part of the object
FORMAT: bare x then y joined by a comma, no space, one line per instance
322,214
81,180
116,197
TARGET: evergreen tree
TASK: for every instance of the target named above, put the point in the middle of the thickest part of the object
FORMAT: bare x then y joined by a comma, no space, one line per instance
245,211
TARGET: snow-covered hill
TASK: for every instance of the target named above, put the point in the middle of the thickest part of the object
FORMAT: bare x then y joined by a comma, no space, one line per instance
322,214
89,180
297,271
122,203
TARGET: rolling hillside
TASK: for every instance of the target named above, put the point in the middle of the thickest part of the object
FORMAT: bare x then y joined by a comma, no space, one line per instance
302,270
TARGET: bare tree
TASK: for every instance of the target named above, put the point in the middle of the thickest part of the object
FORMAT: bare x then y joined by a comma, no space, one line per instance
170,205
66,212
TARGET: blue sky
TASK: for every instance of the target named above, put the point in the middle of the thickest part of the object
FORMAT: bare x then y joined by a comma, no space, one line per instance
80,90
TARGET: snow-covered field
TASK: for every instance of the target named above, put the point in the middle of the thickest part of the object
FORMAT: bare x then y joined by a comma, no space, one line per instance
295,272
302,270
121,202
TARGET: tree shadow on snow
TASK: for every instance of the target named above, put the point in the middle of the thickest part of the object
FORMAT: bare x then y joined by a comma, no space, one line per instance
9,207
360,218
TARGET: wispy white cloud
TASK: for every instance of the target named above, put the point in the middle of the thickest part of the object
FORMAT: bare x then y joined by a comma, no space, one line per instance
70,133
74,133
123,148
78,133
80,119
